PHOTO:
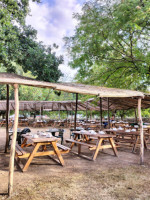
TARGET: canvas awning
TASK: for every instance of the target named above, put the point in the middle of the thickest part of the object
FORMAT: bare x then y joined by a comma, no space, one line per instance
6,78
124,103
16,80
48,105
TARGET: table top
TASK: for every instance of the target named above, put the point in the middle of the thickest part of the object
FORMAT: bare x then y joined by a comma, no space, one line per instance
122,131
40,138
94,135
53,130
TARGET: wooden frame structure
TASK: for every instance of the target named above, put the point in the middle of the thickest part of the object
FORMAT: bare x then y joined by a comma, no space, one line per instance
47,105
16,80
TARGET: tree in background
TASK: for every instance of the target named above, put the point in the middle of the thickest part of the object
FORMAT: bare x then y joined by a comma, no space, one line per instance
110,46
18,45
41,60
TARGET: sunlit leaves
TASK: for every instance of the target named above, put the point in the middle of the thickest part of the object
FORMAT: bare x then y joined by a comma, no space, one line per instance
111,44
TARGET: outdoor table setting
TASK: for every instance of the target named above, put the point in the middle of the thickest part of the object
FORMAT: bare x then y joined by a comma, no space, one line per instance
94,141
2,122
91,126
131,137
43,144
53,131
23,122
39,123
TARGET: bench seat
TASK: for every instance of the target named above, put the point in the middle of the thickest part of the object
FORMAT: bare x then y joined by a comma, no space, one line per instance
21,153
80,143
60,146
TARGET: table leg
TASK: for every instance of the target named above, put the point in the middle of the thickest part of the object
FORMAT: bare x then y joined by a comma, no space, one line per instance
58,153
31,157
136,143
24,143
98,145
79,148
72,144
145,143
113,146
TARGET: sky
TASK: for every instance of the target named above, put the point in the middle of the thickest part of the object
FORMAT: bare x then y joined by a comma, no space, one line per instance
53,20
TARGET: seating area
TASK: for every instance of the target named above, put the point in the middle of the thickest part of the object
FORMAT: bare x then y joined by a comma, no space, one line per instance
88,137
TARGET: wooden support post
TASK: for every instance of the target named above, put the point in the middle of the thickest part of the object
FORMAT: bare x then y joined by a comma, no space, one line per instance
86,112
108,113
141,133
42,112
75,116
7,120
67,115
13,144
71,113
136,116
91,114
101,113
59,111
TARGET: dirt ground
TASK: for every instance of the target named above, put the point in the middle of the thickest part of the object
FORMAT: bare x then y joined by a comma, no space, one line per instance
108,178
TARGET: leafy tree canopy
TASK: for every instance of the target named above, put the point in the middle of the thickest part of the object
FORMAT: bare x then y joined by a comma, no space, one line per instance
18,44
111,44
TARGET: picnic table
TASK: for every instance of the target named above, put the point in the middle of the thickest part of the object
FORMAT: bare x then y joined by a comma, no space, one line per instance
23,122
94,142
2,122
53,131
91,126
132,137
40,148
39,123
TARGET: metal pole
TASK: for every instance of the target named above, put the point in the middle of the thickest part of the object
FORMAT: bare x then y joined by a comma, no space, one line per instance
13,144
75,116
7,120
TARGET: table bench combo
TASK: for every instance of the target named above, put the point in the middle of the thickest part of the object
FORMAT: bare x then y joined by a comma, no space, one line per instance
131,139
94,142
40,148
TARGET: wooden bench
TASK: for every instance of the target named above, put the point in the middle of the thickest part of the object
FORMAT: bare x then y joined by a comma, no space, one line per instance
62,148
21,153
80,143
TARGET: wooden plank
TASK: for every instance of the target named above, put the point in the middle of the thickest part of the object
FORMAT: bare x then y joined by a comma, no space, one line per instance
108,146
20,149
31,157
80,143
62,146
58,153
113,147
99,143
18,152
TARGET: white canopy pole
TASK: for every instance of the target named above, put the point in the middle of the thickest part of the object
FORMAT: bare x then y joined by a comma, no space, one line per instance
141,132
13,144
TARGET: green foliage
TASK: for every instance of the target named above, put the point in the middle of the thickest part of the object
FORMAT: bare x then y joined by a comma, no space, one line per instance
111,44
18,44
38,58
